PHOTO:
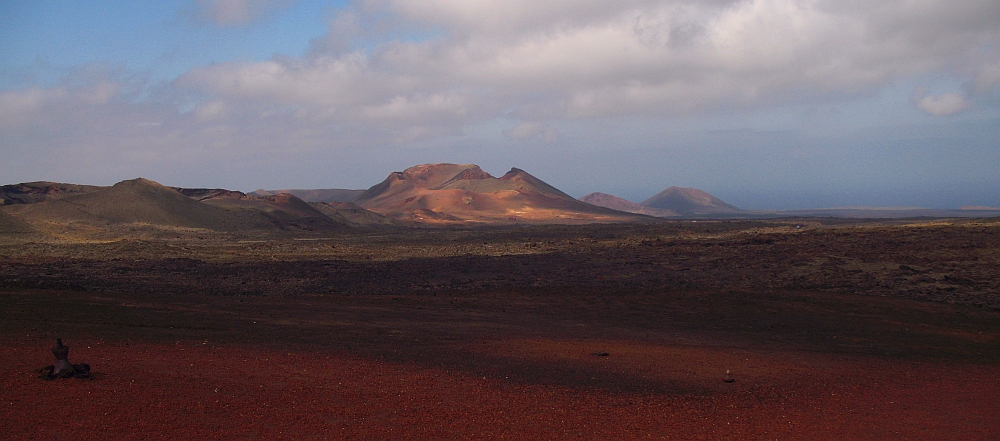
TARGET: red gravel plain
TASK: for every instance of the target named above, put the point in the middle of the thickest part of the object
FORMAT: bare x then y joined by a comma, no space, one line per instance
266,385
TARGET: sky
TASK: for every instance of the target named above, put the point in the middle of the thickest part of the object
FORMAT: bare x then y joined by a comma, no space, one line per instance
767,104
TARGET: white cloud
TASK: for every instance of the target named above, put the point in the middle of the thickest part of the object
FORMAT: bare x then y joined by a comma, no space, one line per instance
578,59
531,129
100,93
212,110
17,107
32,107
512,18
942,105
230,13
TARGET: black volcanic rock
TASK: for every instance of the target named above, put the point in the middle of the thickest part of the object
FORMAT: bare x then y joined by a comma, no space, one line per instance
201,194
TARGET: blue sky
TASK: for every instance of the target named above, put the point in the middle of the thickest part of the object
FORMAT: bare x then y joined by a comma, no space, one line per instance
767,104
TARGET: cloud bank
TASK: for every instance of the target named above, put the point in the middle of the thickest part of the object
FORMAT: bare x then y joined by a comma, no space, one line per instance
942,105
406,72
531,61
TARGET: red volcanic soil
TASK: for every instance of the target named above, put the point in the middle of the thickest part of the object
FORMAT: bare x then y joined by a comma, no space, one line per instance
190,390
423,368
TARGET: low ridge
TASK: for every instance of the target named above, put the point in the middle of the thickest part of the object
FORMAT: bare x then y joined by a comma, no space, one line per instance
284,211
41,191
351,214
315,195
616,203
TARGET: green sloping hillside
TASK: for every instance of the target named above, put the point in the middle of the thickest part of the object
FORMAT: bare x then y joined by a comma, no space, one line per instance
133,201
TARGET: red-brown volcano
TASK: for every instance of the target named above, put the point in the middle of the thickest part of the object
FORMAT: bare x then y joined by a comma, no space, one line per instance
464,192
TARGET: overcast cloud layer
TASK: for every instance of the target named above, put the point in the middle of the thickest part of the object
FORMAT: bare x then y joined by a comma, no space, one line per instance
521,83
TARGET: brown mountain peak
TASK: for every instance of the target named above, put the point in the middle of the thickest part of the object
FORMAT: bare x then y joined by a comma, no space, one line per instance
689,201
138,182
513,173
464,192
468,174
438,175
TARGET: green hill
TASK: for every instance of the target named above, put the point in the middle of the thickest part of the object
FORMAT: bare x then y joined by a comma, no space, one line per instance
132,201
11,224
